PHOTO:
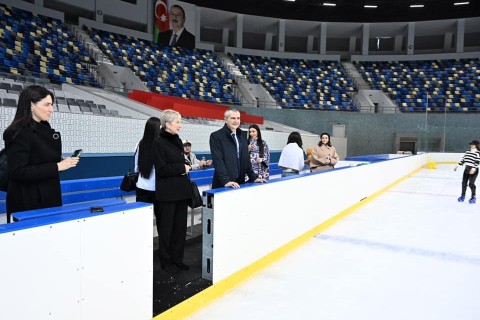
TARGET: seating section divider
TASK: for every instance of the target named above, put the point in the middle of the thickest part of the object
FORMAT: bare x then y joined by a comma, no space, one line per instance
188,107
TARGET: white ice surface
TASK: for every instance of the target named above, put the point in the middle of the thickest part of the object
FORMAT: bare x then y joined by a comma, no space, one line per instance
412,253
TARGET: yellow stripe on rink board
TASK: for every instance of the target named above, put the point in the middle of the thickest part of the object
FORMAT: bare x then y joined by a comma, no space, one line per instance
215,291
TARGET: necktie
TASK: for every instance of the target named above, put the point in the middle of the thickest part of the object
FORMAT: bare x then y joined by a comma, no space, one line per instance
174,40
234,136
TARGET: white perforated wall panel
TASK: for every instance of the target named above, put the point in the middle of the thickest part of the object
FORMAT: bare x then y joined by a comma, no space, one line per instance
99,134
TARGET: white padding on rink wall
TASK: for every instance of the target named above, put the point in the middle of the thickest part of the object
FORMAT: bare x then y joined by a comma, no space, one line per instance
445,157
251,222
79,267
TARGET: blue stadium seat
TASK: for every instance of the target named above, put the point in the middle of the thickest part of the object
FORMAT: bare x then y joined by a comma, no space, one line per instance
43,39
168,70
450,84
303,81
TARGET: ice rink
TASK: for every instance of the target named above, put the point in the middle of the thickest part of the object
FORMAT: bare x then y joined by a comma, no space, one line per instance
411,253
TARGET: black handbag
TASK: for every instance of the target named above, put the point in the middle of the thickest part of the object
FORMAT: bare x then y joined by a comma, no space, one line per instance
196,200
129,181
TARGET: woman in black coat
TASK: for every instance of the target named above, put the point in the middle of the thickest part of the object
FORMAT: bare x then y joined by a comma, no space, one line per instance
172,190
34,153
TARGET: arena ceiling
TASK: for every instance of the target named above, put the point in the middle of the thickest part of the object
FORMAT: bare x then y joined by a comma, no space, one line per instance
349,10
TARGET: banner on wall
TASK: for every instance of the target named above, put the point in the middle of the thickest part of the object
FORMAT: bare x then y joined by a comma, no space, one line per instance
174,25
162,19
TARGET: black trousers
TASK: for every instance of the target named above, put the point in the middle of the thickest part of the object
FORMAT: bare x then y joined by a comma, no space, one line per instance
469,179
148,197
145,196
172,228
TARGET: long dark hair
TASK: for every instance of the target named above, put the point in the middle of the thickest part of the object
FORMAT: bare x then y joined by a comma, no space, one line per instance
328,143
295,137
23,115
261,148
145,156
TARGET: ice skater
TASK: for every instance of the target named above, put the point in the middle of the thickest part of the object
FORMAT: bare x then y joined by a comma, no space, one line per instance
471,159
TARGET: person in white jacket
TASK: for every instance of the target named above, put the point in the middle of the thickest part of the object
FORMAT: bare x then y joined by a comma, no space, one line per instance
292,156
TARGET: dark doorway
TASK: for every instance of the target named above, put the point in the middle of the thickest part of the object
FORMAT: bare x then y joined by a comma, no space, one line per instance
407,146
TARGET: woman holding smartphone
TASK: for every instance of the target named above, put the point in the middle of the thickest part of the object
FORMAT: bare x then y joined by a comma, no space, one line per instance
259,152
34,153
172,192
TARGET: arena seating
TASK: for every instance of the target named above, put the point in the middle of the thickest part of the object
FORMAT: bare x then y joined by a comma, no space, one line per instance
42,50
195,74
42,47
65,101
450,84
321,85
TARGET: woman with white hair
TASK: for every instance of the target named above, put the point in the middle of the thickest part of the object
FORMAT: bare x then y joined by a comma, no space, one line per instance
172,190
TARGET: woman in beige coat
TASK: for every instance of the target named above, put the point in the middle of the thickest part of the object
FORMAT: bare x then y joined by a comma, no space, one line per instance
324,155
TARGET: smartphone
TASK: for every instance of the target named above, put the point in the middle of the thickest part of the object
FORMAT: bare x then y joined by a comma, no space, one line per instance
96,209
77,153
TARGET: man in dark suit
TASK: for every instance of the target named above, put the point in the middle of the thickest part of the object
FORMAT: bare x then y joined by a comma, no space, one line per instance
230,156
178,36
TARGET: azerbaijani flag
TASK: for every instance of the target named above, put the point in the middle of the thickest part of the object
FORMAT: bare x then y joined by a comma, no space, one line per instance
162,21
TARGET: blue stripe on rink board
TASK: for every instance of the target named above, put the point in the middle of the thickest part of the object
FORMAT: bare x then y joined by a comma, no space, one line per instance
393,248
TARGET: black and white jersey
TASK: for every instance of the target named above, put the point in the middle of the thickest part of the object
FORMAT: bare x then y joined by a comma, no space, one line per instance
471,158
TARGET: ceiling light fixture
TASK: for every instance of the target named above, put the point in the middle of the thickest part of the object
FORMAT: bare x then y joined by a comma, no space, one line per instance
329,4
460,3
369,6
417,6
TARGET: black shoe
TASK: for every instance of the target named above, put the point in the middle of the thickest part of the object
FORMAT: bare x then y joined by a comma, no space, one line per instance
182,266
170,268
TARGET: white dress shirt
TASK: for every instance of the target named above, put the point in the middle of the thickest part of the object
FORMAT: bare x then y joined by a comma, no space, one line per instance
179,33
